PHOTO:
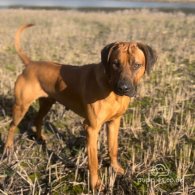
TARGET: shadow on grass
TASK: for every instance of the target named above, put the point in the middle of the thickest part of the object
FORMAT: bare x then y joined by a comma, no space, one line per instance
5,106
72,143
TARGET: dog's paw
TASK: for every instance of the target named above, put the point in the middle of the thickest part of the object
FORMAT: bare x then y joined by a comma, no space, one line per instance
96,183
118,169
41,138
8,151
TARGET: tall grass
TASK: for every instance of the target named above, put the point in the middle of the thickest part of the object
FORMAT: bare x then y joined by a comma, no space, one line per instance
157,134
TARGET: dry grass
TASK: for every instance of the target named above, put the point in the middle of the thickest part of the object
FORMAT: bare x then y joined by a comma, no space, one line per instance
157,131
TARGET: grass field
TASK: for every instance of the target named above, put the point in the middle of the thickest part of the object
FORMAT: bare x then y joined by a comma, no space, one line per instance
157,134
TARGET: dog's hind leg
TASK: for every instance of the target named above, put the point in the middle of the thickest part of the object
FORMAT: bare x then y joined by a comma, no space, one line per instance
44,107
25,93
19,110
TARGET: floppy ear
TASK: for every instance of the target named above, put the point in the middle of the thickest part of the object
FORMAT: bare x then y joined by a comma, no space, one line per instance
150,56
105,54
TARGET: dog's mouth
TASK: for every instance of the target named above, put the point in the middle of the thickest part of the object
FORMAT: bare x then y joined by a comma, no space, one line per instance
129,93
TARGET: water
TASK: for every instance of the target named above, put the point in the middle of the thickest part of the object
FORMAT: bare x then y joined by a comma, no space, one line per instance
106,4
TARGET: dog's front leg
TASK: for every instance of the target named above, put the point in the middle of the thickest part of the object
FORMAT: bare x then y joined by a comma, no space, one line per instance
92,136
113,129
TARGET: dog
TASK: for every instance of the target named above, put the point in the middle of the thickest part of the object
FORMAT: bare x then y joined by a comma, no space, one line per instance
100,93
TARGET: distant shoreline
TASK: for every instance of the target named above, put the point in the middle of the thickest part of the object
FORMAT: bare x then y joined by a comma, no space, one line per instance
97,4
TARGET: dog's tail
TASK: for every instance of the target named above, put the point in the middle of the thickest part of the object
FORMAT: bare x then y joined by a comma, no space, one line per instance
25,59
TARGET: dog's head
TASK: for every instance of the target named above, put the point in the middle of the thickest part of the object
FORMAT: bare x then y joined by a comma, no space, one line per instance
125,63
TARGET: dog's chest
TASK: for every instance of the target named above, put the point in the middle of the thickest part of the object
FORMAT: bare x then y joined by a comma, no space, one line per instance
110,108
118,107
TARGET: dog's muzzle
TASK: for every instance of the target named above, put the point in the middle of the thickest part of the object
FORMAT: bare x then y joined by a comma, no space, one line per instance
125,88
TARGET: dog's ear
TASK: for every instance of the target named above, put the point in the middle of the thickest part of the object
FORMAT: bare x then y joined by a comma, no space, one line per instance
150,56
105,54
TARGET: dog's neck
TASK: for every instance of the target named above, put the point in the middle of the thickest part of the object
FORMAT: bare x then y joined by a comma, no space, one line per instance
102,78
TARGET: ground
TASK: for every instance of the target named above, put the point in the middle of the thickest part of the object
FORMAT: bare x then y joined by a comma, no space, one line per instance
157,134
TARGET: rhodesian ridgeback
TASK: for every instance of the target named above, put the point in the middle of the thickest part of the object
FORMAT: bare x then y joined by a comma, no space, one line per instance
100,93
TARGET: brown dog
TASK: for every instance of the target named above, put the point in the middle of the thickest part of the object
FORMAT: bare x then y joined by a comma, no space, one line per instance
99,93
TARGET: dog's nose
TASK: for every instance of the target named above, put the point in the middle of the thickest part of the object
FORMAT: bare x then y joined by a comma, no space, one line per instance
123,88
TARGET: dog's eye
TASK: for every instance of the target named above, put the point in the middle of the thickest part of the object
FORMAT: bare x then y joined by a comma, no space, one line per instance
136,66
116,64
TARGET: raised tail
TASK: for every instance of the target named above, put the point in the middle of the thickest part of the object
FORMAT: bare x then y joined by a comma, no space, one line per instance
25,59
